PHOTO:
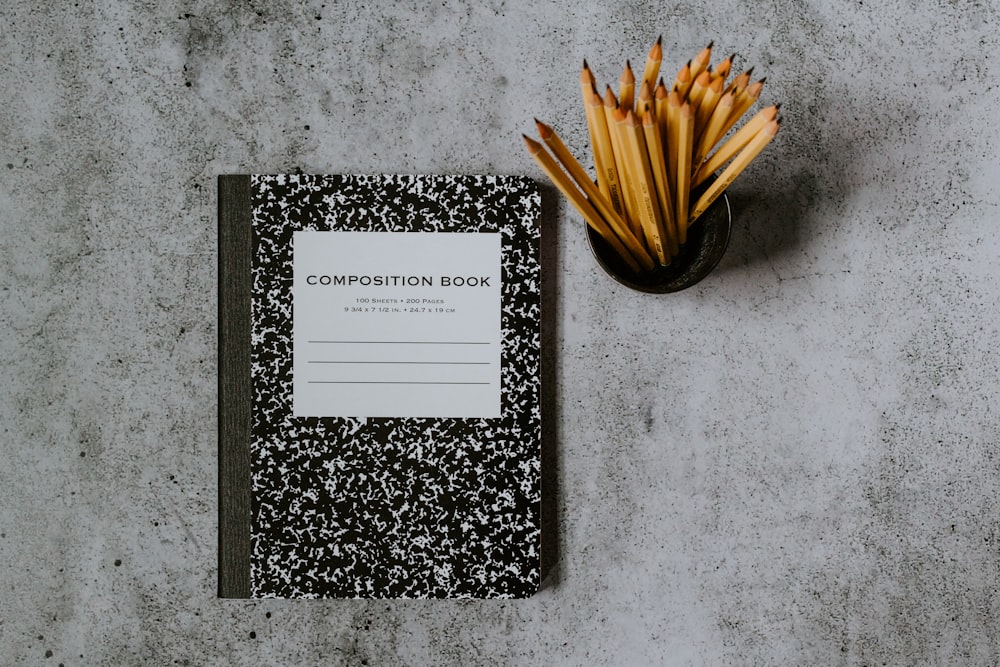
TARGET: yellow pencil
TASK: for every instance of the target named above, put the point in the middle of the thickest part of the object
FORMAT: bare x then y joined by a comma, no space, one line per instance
713,128
672,141
645,99
740,82
610,103
735,168
683,80
706,106
584,182
660,105
735,144
649,211
745,100
723,68
685,132
653,61
698,89
626,90
576,198
700,62
621,164
630,182
607,173
658,166
587,84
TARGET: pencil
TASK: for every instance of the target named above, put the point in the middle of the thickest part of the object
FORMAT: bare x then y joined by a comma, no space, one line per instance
649,210
745,100
740,82
683,80
587,84
610,103
723,68
713,128
672,140
607,173
735,144
576,198
658,166
617,149
735,168
660,104
685,132
653,61
700,62
706,106
626,90
584,182
645,100
698,89
630,184
587,81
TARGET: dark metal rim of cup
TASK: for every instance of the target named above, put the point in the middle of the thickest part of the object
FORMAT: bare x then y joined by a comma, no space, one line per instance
706,244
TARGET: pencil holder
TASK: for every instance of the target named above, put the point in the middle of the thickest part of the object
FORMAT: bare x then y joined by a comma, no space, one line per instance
707,240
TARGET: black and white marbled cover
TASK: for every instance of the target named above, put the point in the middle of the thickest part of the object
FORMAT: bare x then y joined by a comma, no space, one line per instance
394,508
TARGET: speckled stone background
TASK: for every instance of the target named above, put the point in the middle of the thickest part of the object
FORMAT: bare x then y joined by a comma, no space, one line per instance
793,463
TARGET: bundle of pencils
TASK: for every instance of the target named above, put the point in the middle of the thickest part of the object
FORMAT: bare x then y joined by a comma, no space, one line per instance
653,149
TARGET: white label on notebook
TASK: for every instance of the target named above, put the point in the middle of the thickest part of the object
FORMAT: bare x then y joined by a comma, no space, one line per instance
396,324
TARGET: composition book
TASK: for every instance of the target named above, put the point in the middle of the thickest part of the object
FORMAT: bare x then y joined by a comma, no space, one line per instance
379,413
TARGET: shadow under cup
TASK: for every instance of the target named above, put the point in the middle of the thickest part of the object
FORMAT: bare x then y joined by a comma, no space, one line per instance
707,240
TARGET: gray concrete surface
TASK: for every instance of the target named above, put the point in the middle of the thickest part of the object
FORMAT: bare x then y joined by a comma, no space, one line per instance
794,463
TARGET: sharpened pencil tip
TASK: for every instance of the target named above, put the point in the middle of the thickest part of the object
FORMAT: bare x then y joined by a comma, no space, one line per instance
544,131
533,146
610,100
656,52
